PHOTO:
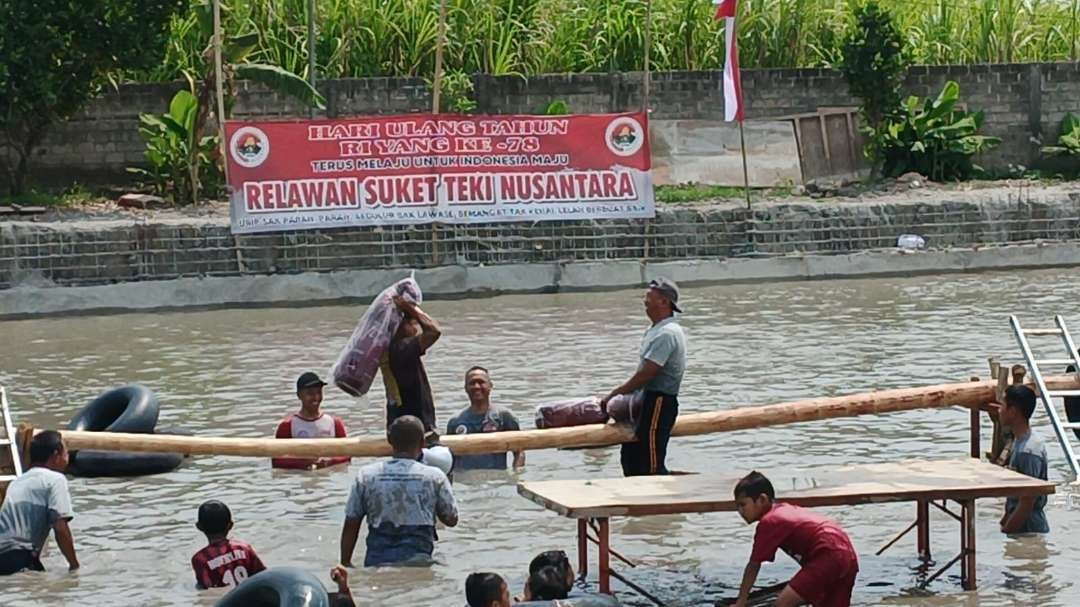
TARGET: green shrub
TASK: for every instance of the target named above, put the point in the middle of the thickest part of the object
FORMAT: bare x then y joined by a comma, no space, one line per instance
1068,143
57,54
933,138
171,143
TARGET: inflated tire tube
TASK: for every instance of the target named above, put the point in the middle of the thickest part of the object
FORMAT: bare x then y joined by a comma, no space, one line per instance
130,408
125,463
592,600
278,587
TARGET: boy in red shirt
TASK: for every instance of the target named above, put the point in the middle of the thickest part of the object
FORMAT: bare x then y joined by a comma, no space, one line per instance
309,422
223,562
829,563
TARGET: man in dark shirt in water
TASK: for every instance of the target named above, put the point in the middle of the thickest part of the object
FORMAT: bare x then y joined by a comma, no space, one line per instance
407,389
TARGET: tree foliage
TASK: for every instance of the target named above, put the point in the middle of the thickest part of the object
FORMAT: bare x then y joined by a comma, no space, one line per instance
57,54
873,64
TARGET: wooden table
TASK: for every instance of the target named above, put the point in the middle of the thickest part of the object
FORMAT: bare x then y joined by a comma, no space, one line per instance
925,482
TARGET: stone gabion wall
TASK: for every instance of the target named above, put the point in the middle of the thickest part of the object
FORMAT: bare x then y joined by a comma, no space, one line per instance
107,252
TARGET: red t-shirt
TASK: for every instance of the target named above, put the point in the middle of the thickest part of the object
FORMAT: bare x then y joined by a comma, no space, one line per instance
797,531
225,563
294,426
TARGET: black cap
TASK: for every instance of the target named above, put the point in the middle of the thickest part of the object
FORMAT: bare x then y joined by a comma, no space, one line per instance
667,288
308,380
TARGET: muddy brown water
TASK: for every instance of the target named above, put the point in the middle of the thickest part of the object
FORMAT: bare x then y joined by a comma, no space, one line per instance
231,373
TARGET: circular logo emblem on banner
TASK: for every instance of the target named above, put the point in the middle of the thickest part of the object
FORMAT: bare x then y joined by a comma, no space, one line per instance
249,146
624,136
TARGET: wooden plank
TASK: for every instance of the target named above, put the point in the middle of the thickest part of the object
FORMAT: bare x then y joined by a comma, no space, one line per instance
965,394
960,479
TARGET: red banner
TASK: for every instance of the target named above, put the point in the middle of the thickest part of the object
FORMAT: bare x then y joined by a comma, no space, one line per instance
445,168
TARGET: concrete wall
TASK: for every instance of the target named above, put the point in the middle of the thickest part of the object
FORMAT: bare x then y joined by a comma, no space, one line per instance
1021,101
99,252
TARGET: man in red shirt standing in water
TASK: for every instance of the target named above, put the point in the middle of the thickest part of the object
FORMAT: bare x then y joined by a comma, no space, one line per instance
829,562
309,422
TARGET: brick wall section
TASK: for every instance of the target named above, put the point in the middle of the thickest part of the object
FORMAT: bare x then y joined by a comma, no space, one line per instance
1021,101
93,253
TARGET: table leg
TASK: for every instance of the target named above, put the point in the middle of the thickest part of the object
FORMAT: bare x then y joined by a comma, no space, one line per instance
583,548
967,544
922,519
605,563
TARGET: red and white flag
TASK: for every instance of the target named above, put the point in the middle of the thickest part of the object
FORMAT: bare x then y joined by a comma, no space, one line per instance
733,102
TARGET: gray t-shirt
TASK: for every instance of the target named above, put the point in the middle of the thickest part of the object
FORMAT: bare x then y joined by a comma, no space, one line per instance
34,502
467,422
665,344
400,499
1029,457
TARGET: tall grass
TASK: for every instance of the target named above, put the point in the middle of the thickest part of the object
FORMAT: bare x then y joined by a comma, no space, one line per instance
397,37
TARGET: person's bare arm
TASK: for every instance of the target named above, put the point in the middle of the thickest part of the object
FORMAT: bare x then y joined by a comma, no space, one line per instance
748,578
519,460
349,532
1015,521
645,374
430,328
66,542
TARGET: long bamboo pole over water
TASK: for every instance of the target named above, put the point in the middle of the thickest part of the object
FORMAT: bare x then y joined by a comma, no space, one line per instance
967,394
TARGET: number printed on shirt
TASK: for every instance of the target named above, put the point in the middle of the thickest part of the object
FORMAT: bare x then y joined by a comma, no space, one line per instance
234,576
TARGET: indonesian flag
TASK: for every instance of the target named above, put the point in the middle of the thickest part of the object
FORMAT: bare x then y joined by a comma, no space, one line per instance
733,103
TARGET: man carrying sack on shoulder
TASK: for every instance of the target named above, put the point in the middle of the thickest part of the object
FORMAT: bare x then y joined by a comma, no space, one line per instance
659,374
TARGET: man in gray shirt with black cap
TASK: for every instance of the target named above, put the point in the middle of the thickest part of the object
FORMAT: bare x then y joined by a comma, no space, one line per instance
659,375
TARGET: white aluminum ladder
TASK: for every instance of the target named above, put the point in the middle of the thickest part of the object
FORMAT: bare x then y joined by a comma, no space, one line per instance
8,439
1062,429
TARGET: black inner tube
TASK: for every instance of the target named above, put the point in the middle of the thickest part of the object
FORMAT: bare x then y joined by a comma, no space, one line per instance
130,408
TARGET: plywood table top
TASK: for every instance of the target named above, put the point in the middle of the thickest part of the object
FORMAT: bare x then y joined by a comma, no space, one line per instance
910,480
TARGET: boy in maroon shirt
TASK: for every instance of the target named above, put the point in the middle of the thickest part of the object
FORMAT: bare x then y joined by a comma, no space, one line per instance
829,563
223,562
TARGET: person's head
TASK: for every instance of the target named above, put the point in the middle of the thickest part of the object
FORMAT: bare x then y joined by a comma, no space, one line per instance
1019,406
546,584
556,559
47,449
661,299
309,389
406,436
486,590
754,496
215,520
409,327
478,386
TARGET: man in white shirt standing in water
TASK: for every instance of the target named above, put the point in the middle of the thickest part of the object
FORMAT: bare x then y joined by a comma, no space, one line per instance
659,375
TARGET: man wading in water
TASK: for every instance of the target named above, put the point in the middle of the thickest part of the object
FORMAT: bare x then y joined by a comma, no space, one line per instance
660,372
407,389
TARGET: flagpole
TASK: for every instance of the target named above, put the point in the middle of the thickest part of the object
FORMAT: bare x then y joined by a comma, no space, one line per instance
745,173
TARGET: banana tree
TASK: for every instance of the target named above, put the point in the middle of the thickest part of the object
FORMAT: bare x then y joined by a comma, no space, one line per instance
1068,143
933,138
236,55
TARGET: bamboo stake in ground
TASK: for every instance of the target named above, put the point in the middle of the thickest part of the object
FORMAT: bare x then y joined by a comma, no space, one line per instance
966,394
219,94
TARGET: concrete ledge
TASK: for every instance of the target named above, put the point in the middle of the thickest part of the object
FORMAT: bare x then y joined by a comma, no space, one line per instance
470,281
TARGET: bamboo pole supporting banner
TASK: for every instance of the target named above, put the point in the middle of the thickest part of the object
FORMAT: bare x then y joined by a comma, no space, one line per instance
967,394
647,73
440,43
311,47
219,92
